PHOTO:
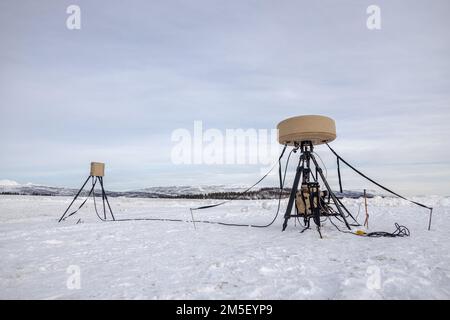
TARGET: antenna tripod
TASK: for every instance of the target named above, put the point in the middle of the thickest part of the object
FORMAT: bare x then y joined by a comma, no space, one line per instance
97,172
310,202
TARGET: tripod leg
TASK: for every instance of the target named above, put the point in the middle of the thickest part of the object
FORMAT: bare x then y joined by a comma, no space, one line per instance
320,233
429,222
298,174
106,198
314,198
103,199
94,181
304,229
75,198
333,196
339,174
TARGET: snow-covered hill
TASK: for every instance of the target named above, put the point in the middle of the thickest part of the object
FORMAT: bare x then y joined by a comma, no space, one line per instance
8,187
6,183
12,187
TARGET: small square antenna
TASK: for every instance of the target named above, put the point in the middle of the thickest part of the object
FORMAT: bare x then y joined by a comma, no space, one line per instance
97,169
96,175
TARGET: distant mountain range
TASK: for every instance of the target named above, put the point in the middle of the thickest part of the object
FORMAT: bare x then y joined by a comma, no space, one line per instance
8,187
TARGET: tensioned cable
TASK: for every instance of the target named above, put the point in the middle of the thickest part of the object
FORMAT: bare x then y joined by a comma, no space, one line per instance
248,189
282,181
374,182
383,187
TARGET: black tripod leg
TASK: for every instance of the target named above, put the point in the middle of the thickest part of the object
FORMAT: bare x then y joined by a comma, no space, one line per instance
339,174
298,174
315,209
94,181
304,229
333,196
320,233
75,198
106,198
429,222
103,199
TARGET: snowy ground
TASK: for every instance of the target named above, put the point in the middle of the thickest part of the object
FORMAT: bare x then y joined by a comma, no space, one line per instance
170,260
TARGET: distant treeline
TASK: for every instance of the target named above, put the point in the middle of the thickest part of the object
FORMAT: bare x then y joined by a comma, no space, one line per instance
263,193
260,194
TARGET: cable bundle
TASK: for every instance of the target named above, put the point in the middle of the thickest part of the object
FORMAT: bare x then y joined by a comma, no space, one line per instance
400,231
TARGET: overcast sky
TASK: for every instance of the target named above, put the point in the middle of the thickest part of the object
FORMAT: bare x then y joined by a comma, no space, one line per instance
116,89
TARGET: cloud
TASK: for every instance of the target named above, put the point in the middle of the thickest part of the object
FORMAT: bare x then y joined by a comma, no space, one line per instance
117,88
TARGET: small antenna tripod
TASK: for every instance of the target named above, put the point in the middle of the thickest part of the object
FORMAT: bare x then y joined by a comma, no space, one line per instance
96,175
309,201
